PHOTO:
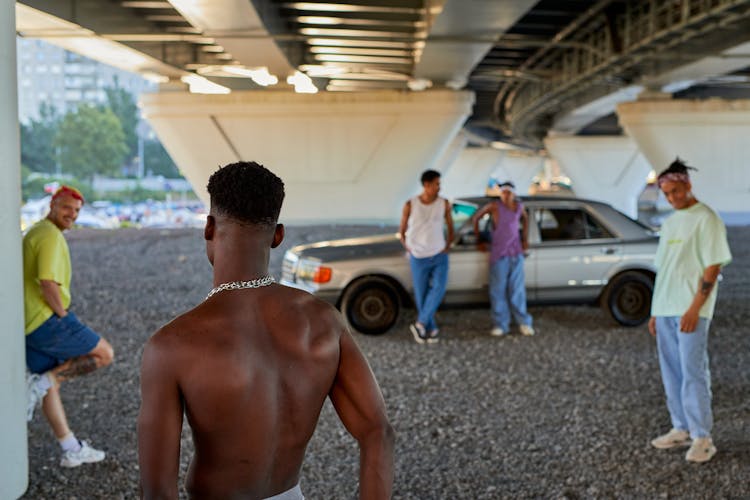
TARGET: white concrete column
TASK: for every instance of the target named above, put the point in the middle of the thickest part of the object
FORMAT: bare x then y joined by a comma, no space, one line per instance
469,172
711,135
14,465
343,157
519,167
609,169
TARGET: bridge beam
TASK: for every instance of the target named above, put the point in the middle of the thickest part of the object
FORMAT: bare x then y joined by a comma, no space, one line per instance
711,135
14,466
343,157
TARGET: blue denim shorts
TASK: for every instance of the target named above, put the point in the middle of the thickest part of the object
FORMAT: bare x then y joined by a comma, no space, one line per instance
57,340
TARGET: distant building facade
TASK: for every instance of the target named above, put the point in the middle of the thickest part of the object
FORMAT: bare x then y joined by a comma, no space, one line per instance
63,79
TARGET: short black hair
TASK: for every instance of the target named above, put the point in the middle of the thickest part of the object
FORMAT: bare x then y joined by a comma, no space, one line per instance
429,176
247,192
676,167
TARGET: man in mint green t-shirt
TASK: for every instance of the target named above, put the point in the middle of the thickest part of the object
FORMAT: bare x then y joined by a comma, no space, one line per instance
692,249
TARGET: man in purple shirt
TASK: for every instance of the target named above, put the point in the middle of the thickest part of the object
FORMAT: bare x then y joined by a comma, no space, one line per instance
509,242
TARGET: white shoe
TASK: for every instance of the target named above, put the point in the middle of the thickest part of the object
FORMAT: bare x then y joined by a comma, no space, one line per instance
498,332
86,455
34,394
672,439
702,450
527,330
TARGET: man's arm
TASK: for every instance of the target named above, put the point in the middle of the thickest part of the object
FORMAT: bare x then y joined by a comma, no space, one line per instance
159,422
359,403
524,229
449,223
404,223
51,295
475,221
689,320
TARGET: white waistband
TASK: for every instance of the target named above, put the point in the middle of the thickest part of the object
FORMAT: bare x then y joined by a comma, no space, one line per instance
290,494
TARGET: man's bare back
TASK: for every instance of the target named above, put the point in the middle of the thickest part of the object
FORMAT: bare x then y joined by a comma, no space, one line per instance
251,369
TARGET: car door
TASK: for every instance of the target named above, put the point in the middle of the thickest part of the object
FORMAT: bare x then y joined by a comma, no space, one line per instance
572,253
468,271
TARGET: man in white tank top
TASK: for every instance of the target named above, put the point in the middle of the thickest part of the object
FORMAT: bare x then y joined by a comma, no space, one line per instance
422,233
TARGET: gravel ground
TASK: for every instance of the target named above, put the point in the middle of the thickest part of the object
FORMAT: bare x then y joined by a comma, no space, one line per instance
565,414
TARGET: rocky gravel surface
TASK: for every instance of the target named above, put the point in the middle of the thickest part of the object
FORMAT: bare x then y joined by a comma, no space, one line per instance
565,414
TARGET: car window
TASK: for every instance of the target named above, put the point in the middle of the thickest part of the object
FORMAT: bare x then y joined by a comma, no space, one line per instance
461,214
562,224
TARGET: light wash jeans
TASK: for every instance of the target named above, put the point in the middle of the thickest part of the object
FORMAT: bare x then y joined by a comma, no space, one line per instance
429,276
683,359
508,292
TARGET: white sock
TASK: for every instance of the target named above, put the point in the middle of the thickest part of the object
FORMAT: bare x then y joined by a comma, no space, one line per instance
69,443
44,382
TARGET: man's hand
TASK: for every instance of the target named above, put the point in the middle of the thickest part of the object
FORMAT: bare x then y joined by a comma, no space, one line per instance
689,320
652,326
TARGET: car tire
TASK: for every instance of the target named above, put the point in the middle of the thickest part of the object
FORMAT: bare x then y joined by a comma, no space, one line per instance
628,298
371,306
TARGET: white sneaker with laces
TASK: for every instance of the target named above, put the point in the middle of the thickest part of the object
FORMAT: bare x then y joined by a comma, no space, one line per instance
86,455
702,450
527,330
672,439
34,394
498,332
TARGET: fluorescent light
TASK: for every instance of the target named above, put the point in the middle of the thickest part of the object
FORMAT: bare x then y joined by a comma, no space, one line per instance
302,83
419,84
261,76
200,85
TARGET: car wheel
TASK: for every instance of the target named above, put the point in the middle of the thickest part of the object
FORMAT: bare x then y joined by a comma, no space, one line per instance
628,298
371,306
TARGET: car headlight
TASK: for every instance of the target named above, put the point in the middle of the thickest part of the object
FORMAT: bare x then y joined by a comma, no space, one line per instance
313,271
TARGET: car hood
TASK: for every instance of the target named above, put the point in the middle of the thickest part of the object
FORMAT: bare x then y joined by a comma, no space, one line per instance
364,247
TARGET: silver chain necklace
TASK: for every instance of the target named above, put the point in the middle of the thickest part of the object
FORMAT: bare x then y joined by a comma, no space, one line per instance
239,285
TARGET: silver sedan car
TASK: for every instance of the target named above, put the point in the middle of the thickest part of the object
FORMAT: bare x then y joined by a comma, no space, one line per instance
580,252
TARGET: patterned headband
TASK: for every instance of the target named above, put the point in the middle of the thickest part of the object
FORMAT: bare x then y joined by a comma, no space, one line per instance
673,177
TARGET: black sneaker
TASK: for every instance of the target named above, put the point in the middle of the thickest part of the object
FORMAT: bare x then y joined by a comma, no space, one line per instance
418,331
432,336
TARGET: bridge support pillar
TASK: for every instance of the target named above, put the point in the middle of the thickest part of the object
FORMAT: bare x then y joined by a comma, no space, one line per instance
344,157
519,168
609,169
711,135
14,467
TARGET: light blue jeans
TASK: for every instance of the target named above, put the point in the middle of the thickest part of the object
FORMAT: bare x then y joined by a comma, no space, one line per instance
508,292
683,359
429,276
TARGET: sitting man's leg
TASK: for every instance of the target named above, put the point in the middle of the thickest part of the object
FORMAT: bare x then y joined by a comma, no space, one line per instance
83,351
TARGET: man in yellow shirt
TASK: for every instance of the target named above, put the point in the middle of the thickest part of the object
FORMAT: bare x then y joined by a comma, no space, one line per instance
58,346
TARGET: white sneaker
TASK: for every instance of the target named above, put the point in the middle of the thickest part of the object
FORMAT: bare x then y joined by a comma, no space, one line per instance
498,332
672,439
702,450
86,455
34,394
527,330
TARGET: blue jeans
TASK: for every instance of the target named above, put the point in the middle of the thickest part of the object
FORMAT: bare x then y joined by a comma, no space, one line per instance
429,276
508,292
683,359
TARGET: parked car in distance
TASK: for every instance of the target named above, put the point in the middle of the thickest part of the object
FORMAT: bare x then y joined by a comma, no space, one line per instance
580,252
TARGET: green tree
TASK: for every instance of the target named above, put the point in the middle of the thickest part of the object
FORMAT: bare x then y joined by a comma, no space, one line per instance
90,141
123,104
157,160
37,140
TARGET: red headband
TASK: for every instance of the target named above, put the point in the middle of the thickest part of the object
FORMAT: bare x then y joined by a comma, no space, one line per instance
70,191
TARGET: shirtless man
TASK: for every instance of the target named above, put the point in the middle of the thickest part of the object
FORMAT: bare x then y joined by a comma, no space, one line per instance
251,367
